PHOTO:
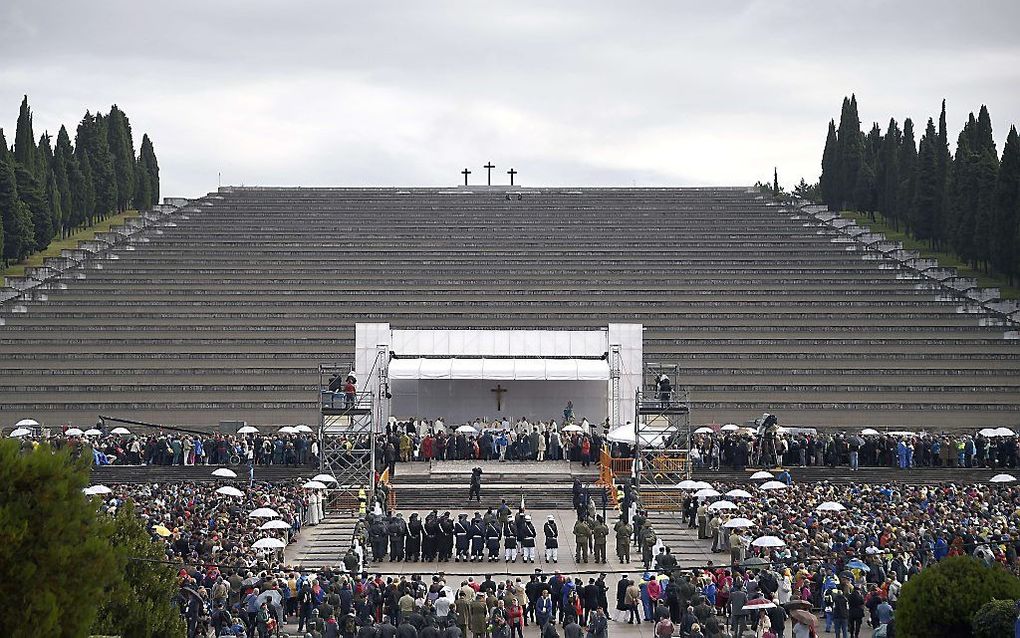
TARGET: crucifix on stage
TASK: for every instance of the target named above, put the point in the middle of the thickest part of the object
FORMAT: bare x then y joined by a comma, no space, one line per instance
511,173
488,168
499,390
465,173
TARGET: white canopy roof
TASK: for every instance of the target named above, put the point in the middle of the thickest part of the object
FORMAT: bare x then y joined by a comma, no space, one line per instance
501,369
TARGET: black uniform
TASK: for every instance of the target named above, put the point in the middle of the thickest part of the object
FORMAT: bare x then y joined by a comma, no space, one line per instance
415,531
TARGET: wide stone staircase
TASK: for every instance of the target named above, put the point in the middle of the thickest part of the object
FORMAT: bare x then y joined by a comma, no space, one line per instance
444,485
225,309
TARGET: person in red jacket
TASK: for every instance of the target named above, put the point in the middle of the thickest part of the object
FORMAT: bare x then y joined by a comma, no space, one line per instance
515,616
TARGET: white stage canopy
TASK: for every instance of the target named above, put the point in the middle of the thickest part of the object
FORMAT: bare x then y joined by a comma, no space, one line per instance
501,369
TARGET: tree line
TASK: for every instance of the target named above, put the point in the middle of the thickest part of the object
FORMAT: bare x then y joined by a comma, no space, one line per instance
967,202
48,190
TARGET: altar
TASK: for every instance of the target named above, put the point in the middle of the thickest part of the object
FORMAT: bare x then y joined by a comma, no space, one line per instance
461,375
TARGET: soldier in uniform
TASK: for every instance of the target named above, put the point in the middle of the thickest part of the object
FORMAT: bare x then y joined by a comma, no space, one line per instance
552,542
430,543
639,521
526,536
509,542
648,539
599,532
623,534
492,537
415,531
377,534
477,532
582,536
461,531
398,532
445,541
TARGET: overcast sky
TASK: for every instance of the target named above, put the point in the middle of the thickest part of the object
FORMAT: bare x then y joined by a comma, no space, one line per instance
568,93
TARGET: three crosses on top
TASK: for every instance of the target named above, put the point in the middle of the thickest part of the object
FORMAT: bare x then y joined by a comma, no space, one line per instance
488,168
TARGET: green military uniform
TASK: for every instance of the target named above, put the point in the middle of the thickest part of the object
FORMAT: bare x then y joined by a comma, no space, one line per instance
582,535
600,531
639,522
648,539
623,534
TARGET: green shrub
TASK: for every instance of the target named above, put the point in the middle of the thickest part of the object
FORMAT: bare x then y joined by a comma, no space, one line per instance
995,619
942,600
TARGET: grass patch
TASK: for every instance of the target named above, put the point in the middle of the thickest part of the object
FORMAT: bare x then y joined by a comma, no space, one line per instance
71,241
945,258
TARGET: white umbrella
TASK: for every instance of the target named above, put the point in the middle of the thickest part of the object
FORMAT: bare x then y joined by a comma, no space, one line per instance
703,485
739,494
27,423
987,432
723,505
269,543
761,474
248,429
1002,478
93,432
324,478
97,489
870,432
120,431
287,430
225,473
830,506
73,432
688,484
626,434
704,430
729,427
1005,432
737,523
303,428
768,541
228,490
773,485
573,427
760,603
20,432
467,429
275,524
264,512
706,493
314,485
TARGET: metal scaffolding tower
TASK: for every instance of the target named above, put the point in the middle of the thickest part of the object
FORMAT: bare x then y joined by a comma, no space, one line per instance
662,424
346,436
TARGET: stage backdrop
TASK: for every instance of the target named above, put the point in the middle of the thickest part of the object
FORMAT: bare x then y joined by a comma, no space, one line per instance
459,401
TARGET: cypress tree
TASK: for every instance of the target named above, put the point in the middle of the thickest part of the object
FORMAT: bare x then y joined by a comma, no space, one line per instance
19,236
962,193
53,203
122,149
888,176
25,151
1007,207
147,155
908,175
91,139
143,190
33,194
851,151
5,154
84,191
986,175
63,157
828,182
926,194
940,228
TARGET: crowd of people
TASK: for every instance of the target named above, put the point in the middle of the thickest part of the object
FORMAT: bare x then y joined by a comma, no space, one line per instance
742,448
423,440
169,448
198,525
